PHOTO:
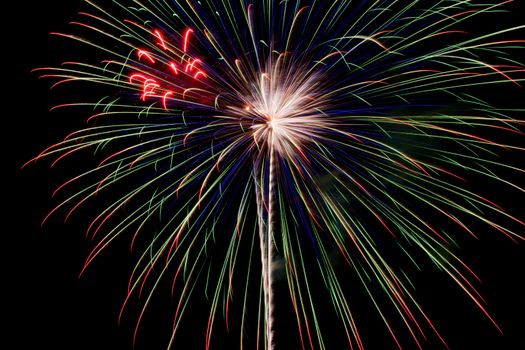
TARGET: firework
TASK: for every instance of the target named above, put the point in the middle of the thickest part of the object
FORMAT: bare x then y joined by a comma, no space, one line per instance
316,140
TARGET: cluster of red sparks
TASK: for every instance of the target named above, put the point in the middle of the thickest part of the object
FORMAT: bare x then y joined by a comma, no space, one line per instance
188,70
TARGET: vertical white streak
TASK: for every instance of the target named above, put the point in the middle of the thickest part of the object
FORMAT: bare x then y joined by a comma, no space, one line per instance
271,249
259,189
265,209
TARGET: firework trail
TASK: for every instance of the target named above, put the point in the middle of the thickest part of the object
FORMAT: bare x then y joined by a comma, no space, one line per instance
336,133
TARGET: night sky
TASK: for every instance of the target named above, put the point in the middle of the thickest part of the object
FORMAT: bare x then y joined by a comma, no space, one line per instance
49,307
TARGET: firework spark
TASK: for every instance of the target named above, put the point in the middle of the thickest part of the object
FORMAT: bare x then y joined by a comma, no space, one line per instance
332,131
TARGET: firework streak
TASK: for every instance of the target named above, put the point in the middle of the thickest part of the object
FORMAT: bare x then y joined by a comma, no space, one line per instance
316,141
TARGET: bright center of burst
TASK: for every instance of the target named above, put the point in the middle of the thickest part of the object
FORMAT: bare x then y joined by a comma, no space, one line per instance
271,122
277,123
282,114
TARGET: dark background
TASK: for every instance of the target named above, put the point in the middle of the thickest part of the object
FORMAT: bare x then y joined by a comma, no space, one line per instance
49,307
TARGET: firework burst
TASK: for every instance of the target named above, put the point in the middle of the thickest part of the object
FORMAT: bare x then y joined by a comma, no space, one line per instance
334,133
